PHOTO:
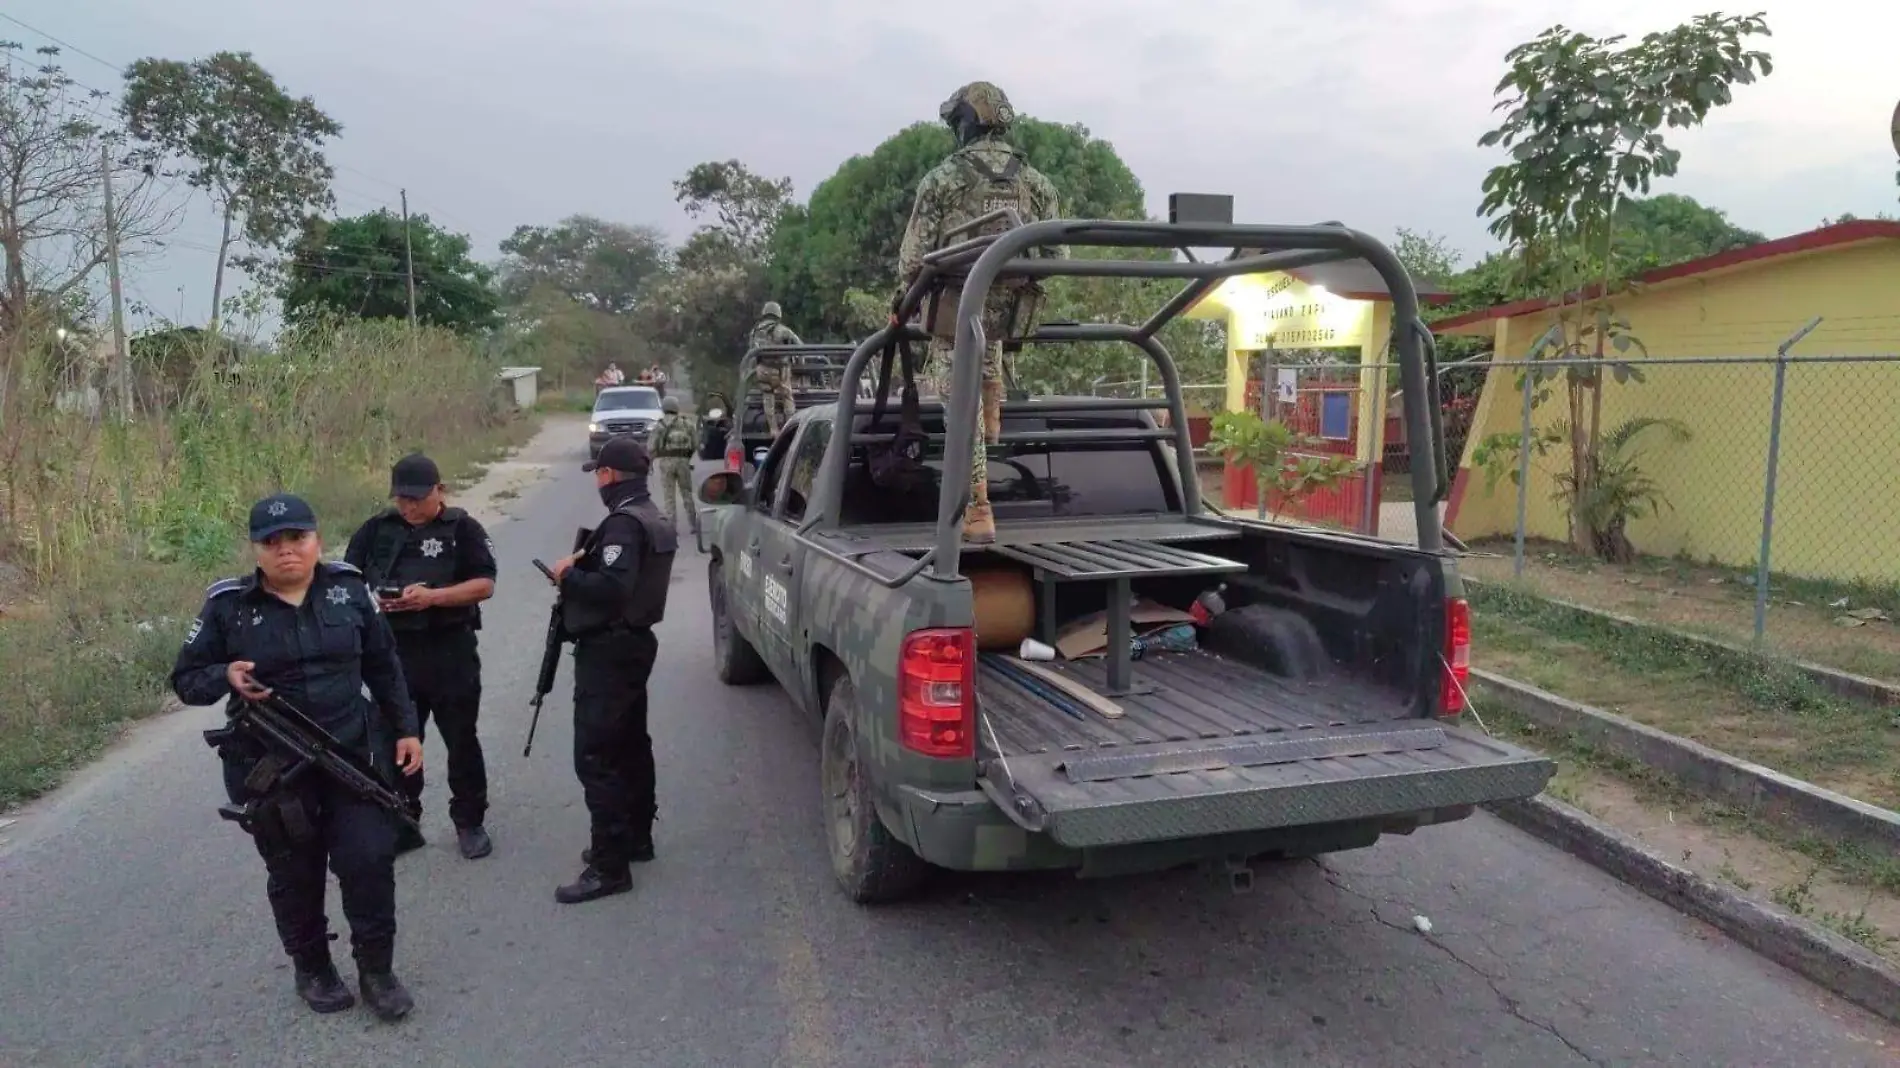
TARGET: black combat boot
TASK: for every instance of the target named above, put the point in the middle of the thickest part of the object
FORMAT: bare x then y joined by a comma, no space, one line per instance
595,883
474,842
319,985
385,995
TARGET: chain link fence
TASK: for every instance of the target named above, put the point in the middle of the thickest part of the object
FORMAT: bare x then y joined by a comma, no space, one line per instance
1751,498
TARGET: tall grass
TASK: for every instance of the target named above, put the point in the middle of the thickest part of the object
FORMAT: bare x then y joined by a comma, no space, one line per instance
110,528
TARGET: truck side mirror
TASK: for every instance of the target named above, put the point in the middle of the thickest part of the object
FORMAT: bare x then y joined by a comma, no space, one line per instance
722,487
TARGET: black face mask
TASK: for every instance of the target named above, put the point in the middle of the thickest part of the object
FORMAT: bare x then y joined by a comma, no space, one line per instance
963,123
626,489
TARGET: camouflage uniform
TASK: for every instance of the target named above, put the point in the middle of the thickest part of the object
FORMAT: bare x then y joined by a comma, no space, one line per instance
768,372
985,173
674,441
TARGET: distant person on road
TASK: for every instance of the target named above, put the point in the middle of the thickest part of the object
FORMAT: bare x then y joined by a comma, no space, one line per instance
613,593
311,632
431,566
775,394
983,175
674,442
659,379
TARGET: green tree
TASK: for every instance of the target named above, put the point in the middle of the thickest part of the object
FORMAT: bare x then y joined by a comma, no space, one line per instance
1659,231
355,266
703,303
230,130
1583,126
599,265
846,238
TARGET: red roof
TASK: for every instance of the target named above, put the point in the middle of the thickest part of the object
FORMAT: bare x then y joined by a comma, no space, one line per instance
1813,240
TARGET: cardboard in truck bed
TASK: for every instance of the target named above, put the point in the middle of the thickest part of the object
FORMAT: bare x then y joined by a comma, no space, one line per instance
1088,636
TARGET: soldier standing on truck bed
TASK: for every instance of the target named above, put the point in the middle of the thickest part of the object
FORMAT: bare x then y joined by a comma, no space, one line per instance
673,445
431,566
311,633
769,372
984,174
613,593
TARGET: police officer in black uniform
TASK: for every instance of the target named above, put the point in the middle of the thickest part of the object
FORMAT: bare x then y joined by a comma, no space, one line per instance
613,592
311,632
431,566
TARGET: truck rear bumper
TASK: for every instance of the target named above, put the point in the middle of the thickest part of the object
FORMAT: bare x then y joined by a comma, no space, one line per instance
1193,790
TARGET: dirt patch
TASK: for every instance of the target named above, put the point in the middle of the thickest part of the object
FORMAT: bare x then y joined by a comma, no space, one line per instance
1855,896
494,494
1811,621
1836,743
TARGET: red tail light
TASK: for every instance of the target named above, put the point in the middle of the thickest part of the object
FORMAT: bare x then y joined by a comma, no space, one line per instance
733,456
1457,656
936,696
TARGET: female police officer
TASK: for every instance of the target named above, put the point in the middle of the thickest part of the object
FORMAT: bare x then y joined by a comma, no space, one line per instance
311,633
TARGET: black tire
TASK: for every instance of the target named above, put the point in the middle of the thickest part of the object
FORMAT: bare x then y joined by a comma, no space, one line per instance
739,663
870,864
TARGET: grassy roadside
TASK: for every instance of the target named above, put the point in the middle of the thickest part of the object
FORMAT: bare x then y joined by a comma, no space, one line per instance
100,596
1741,704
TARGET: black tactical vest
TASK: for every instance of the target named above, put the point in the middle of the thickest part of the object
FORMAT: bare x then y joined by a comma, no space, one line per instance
658,542
401,555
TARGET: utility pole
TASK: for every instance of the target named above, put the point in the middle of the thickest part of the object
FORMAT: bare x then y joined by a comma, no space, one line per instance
409,269
120,373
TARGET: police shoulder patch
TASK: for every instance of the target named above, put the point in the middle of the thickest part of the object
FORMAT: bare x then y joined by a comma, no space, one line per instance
610,554
197,626
222,587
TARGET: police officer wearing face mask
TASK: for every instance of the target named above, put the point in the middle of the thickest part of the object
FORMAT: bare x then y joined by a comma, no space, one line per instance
431,566
613,593
310,632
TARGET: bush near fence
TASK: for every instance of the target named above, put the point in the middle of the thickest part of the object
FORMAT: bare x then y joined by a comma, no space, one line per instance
110,529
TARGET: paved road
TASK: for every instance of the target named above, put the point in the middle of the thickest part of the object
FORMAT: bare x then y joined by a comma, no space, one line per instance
133,927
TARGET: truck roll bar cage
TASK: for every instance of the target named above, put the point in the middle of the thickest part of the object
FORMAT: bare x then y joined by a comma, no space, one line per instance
981,261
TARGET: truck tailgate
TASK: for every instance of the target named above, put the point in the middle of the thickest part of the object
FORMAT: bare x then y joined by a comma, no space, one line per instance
1219,747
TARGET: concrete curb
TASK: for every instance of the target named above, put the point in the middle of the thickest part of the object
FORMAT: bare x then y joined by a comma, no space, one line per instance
1820,955
1752,787
1843,683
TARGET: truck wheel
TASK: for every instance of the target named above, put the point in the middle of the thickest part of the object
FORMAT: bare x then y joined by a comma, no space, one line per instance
738,662
869,862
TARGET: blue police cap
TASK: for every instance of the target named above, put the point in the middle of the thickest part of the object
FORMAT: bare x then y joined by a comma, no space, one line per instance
278,513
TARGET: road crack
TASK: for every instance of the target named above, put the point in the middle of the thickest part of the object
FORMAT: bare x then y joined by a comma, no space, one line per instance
1508,1002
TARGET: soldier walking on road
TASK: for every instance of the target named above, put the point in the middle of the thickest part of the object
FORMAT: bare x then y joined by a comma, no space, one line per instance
613,593
674,442
311,633
431,566
984,174
775,394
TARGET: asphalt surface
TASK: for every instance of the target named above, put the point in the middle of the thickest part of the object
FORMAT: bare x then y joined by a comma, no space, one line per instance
134,930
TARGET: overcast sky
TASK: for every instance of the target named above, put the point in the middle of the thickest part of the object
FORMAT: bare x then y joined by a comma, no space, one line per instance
494,113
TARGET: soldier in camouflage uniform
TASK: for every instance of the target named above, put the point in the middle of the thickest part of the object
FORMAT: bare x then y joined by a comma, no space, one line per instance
674,441
769,371
985,173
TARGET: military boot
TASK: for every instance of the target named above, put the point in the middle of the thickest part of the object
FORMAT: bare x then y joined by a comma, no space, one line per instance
385,995
979,524
319,985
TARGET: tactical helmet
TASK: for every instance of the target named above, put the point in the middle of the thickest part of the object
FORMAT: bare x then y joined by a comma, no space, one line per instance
772,310
989,102
670,405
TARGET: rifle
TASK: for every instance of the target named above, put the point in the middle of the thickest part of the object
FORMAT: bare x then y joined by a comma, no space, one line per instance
295,745
551,649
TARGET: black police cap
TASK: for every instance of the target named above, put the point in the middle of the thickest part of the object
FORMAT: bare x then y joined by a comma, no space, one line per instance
414,475
278,513
623,454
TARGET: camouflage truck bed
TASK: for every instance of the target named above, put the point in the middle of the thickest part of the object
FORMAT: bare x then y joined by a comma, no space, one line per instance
1217,746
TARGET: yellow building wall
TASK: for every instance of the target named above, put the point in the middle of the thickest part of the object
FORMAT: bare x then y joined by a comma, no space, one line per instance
1837,506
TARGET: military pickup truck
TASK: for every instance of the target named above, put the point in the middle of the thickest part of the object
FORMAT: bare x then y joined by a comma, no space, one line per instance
1320,710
